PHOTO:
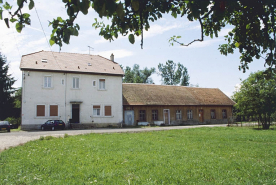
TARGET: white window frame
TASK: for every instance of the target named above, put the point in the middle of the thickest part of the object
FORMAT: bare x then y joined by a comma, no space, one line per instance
46,81
100,86
96,115
74,82
189,114
178,115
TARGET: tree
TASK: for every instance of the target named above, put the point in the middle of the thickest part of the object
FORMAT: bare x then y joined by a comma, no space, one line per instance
174,74
136,75
18,98
6,89
253,22
257,98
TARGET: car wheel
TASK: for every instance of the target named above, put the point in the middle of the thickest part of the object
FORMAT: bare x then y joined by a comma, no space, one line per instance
42,128
53,128
9,130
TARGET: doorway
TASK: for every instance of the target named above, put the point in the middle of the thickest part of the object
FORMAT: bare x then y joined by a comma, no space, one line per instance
129,117
166,114
75,113
201,115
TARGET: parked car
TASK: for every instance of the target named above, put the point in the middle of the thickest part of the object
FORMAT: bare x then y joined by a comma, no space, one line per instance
5,126
53,125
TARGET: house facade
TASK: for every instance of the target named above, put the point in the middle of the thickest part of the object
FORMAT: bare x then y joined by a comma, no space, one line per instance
75,88
174,105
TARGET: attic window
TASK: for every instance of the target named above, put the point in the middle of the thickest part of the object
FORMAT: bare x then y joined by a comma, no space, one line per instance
89,64
44,60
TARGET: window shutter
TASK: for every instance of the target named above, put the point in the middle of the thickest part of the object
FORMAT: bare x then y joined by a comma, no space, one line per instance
53,110
40,110
107,110
45,81
74,83
96,106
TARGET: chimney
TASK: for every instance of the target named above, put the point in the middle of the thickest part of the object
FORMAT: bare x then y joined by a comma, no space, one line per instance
112,57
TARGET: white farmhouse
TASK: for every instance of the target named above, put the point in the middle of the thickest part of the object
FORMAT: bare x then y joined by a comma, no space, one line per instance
79,88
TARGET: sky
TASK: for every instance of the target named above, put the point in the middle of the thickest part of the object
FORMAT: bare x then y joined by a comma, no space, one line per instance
206,66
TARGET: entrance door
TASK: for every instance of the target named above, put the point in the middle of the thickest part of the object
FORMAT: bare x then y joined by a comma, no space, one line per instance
129,117
75,113
201,115
166,113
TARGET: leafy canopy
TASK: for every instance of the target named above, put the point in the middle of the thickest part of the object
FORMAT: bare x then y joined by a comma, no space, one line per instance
257,97
253,34
137,75
174,74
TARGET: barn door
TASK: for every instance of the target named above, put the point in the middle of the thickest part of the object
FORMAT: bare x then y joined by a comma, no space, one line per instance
166,113
201,115
129,117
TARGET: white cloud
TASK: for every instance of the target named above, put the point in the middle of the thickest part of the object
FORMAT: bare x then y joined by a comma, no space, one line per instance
120,53
158,29
237,87
101,41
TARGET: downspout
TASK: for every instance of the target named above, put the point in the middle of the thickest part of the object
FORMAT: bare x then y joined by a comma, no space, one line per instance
65,87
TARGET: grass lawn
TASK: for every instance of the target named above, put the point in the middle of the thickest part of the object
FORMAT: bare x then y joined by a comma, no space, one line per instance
232,155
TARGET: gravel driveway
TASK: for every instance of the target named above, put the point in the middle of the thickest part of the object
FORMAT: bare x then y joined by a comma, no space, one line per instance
12,139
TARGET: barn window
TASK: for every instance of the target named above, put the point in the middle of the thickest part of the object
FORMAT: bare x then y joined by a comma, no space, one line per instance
53,110
213,114
154,114
189,114
142,115
40,110
224,114
107,110
178,115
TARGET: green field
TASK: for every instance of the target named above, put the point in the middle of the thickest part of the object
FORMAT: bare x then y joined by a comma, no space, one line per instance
232,155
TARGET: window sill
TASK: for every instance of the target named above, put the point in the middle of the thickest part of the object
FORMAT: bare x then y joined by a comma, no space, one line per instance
101,89
102,116
48,88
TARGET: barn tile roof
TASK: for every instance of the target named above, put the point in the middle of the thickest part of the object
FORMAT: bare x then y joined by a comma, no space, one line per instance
70,62
150,94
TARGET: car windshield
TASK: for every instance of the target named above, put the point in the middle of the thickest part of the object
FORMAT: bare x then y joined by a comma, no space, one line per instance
4,123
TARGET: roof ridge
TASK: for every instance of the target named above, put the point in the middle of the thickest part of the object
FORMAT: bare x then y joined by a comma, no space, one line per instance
32,53
107,59
173,85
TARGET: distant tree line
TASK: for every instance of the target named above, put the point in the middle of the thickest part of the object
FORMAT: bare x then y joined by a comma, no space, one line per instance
170,72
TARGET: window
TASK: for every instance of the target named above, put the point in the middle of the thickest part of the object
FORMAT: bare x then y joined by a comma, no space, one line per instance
189,114
178,115
213,114
154,114
102,84
62,81
142,115
47,81
76,83
96,110
224,114
94,83
40,110
107,111
53,110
